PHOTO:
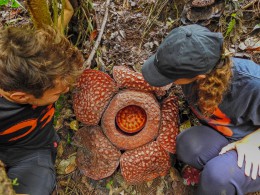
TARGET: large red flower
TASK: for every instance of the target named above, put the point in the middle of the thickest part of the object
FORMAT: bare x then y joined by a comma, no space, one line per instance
124,124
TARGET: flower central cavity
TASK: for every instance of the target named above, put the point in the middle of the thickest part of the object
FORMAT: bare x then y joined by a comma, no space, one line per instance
131,119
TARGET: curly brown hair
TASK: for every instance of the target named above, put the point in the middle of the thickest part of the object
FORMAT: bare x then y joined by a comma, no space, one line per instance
31,60
211,89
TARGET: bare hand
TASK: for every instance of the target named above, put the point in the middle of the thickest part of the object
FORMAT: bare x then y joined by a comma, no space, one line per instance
247,152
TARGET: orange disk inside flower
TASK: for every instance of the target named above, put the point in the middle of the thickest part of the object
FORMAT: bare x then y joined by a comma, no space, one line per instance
131,119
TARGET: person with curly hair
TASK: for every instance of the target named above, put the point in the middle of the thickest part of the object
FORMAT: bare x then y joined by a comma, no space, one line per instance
36,67
224,93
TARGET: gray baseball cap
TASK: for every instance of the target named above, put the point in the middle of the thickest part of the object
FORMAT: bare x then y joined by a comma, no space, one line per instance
186,52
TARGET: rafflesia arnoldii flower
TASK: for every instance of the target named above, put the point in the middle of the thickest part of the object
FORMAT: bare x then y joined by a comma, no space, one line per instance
124,123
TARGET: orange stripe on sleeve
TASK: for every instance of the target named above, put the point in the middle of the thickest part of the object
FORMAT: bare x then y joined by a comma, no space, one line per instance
48,116
29,123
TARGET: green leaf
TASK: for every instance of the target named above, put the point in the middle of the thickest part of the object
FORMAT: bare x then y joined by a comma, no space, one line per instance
69,139
233,15
15,182
4,2
256,27
15,4
231,25
109,184
58,108
90,5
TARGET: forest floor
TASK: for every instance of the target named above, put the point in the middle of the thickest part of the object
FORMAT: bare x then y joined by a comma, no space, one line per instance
133,31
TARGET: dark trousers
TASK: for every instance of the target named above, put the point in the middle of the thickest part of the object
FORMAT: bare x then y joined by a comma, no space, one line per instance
199,147
33,169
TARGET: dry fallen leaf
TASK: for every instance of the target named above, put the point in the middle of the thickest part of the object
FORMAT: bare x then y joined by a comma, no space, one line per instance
67,166
185,125
74,125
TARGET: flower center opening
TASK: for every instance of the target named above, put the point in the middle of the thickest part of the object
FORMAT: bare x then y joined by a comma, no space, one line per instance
131,119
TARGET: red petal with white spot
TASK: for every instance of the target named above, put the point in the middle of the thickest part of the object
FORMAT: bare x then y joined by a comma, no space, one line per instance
127,78
169,128
93,93
97,158
144,163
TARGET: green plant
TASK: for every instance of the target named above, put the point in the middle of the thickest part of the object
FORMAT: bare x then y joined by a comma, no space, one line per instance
109,184
13,3
58,108
83,25
15,182
231,21
231,24
69,139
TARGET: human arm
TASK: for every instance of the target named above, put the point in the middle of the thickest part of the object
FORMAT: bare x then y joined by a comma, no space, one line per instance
248,151
68,13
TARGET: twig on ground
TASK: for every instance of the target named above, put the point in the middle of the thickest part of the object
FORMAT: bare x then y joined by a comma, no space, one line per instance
87,63
157,9
249,4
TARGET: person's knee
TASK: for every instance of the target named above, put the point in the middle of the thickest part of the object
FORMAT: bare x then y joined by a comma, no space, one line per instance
199,144
213,174
35,185
35,174
217,178
188,146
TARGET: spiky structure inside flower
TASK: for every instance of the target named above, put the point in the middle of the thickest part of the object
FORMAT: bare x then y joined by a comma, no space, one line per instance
131,119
